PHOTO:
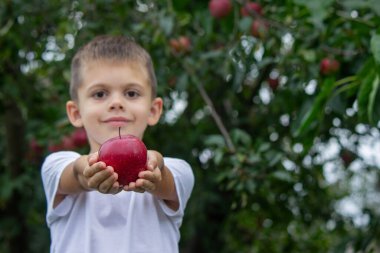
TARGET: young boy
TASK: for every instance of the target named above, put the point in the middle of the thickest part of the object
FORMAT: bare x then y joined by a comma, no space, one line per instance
113,86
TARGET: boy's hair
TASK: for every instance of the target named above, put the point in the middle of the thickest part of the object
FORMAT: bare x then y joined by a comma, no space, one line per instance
108,47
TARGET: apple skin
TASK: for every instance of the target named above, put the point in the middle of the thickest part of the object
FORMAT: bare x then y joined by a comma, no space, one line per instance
273,83
259,28
329,66
250,7
127,155
347,157
220,8
181,44
79,137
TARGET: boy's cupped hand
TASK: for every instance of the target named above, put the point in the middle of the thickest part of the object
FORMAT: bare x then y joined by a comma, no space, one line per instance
149,178
103,178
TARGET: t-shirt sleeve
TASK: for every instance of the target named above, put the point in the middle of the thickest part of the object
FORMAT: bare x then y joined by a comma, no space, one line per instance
51,172
184,183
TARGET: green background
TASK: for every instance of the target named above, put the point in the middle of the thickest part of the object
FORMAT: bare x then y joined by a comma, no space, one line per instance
283,169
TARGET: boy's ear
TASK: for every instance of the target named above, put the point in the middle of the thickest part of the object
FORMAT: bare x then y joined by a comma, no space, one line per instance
155,111
73,114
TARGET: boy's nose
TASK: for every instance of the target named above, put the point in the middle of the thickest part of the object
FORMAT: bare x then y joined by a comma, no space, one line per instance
117,103
116,106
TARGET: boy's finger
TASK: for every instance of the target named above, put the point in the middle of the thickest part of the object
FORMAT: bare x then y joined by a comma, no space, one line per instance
148,186
93,158
133,187
93,169
152,161
153,176
106,185
116,188
139,190
95,180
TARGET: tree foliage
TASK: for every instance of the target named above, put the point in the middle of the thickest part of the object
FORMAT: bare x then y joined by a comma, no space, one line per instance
274,138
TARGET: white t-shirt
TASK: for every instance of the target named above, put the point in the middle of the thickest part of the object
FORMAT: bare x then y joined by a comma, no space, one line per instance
128,222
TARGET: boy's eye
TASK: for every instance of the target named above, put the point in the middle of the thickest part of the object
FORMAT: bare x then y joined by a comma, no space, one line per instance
132,94
99,94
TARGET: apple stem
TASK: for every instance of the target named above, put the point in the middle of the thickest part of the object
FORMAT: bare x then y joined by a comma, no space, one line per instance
119,132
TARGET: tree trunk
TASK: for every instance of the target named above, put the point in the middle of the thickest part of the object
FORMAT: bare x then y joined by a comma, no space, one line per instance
15,153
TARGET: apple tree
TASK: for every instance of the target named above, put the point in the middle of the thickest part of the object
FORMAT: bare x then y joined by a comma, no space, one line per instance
276,104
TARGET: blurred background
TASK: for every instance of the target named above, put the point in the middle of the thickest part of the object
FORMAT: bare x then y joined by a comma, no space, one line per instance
276,105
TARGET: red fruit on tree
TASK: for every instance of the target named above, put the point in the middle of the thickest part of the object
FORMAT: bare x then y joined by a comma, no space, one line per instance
220,8
182,44
185,43
259,28
174,44
127,155
273,83
250,7
347,157
35,151
67,143
329,66
172,81
35,147
79,137
54,147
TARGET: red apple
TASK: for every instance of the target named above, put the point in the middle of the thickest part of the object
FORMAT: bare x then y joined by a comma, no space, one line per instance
329,66
174,44
67,143
250,7
273,83
35,151
127,155
259,28
54,147
172,81
180,45
35,147
79,137
185,43
347,157
220,8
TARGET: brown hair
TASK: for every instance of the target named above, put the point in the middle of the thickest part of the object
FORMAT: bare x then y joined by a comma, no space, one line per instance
107,47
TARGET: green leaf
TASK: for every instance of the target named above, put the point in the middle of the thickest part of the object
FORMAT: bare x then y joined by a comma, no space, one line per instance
317,108
372,101
215,140
283,176
240,136
364,94
167,24
4,30
364,4
318,9
182,82
245,24
218,156
273,158
375,47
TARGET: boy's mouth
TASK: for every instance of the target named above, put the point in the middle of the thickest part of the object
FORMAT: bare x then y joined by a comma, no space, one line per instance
116,121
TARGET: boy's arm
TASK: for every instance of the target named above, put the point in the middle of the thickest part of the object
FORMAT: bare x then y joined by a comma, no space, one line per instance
72,180
166,190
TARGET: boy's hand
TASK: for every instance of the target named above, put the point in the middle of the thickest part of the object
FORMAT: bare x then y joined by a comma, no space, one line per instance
101,177
149,178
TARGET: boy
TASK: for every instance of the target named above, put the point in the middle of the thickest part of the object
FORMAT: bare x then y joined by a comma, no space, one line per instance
113,86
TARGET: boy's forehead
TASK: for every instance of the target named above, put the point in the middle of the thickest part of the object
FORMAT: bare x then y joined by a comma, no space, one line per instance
98,63
95,65
94,68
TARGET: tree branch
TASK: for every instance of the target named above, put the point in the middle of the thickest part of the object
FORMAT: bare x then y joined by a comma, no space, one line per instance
210,104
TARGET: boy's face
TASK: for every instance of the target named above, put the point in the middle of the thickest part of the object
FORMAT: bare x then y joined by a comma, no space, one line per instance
114,94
